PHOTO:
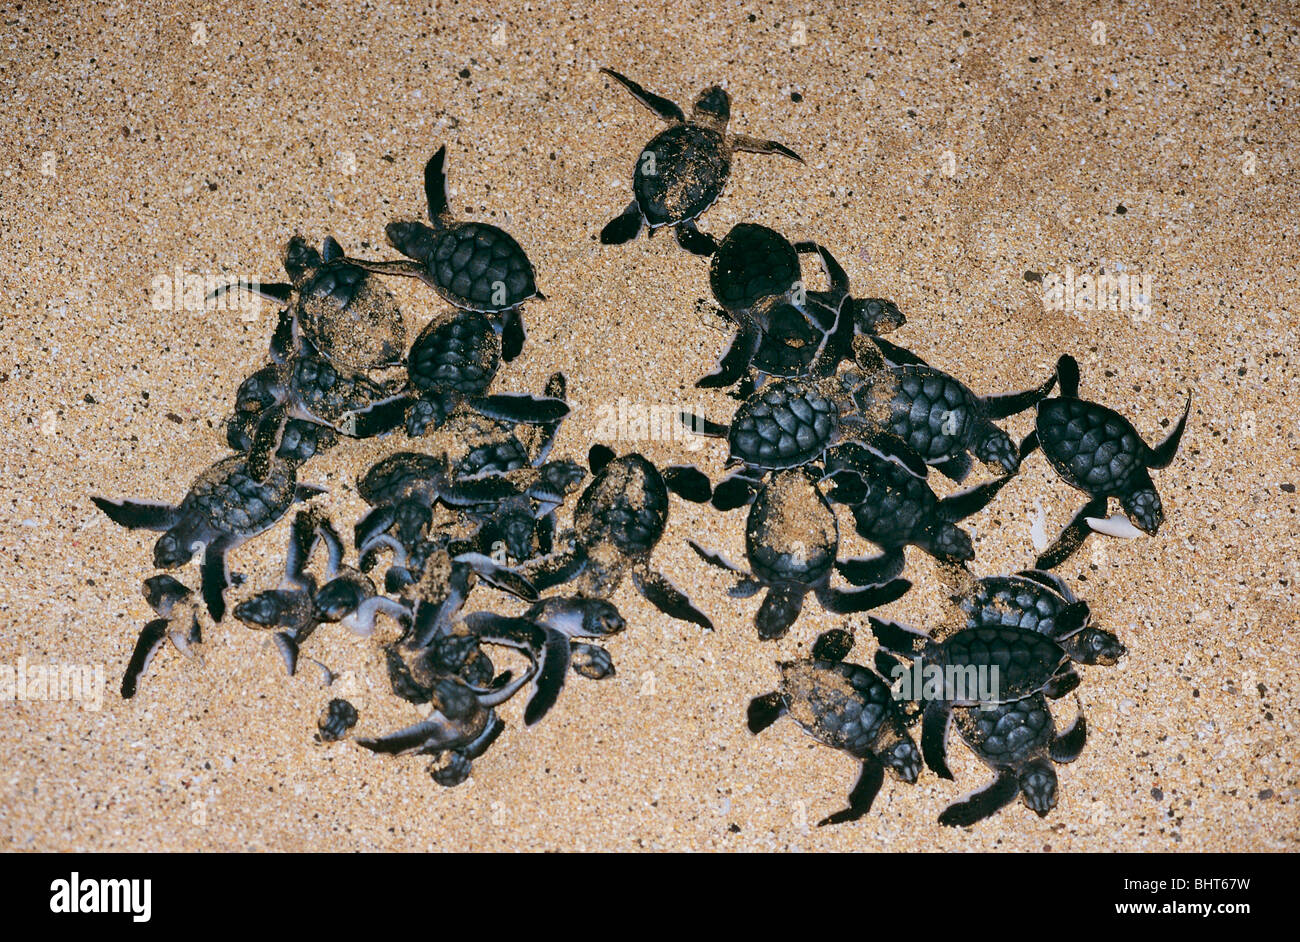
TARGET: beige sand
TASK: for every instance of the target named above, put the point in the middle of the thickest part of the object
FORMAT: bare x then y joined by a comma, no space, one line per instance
950,152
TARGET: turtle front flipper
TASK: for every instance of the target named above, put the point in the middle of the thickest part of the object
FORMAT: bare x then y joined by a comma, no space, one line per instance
139,514
435,185
765,710
555,569
957,468
521,407
1163,454
624,227
734,491
899,356
863,794
699,425
971,501
402,267
1004,405
984,803
695,241
378,418
147,644
872,570
994,446
274,291
689,483
755,145
732,366
934,736
215,577
661,106
897,637
669,599
1067,375
513,334
501,577
862,600
1072,536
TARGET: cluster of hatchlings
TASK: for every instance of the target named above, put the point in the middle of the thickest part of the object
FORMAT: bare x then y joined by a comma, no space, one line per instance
830,414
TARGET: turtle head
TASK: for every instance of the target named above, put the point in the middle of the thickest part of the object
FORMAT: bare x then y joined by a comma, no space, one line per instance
876,316
301,259
1144,509
1095,646
833,645
1038,787
339,598
172,550
600,617
953,543
412,239
265,610
516,527
713,107
996,448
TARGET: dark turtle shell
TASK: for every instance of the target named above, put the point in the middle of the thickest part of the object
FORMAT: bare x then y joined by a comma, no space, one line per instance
474,265
1008,734
625,504
1013,602
1025,660
935,414
791,342
329,394
1090,446
785,424
842,705
401,475
351,318
230,501
897,507
680,173
493,457
791,534
459,353
751,263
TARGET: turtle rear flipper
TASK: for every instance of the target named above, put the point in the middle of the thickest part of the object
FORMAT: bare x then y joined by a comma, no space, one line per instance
513,333
1067,746
984,803
732,365
1005,405
754,145
1072,536
833,645
764,711
957,468
661,106
689,483
863,600
695,241
699,425
934,737
591,661
873,570
1163,454
734,491
863,794
147,644
139,514
669,599
215,577
624,227
897,637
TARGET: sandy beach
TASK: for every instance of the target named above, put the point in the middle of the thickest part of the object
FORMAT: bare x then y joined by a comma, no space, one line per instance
959,161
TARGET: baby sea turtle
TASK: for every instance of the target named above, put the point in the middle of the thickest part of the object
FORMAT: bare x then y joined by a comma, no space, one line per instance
225,506
969,667
1098,451
178,620
347,596
473,265
548,634
1042,602
351,318
452,363
847,707
684,168
617,522
1019,742
336,719
791,541
894,507
790,330
934,413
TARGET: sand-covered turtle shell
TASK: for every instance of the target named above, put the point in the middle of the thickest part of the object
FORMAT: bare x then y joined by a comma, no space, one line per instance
459,353
401,475
626,504
842,705
227,499
791,534
1090,446
785,424
898,507
751,263
351,318
680,173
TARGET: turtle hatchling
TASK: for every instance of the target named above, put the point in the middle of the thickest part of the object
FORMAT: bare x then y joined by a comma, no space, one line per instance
1019,742
346,596
225,506
178,620
791,542
969,667
847,707
683,170
1096,450
473,265
617,522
